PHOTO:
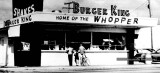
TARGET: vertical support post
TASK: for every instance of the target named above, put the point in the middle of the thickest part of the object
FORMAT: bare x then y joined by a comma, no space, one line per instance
65,36
91,39
151,38
130,45
6,63
150,15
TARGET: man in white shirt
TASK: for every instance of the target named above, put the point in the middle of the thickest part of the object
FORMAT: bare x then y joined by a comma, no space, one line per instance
69,51
81,49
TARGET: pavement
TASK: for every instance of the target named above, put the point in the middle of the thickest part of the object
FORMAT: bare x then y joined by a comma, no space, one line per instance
49,69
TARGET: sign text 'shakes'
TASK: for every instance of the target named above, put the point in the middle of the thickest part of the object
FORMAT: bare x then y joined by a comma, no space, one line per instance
19,12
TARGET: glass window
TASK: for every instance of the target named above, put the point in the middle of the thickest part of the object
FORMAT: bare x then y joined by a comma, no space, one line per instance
109,41
90,40
25,46
118,41
74,39
53,41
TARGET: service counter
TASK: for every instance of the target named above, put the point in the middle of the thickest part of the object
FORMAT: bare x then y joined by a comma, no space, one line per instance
101,57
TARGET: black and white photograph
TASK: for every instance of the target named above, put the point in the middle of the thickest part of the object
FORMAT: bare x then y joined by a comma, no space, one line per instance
79,36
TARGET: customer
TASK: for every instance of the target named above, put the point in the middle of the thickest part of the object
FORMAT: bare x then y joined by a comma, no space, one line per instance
76,54
81,51
69,51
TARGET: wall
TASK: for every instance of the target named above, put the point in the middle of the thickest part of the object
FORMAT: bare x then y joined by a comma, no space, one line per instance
54,58
145,34
10,56
3,49
6,52
156,37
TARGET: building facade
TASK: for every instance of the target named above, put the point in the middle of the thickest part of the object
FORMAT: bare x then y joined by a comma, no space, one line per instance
38,38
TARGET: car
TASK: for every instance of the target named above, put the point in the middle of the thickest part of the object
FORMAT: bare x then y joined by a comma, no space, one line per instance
141,54
155,55
140,57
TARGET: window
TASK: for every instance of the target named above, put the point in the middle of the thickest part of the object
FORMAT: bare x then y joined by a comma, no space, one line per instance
25,45
109,41
2,41
74,39
53,41
90,40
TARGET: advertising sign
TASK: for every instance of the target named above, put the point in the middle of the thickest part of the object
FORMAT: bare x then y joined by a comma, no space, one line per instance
26,46
75,11
97,19
19,20
89,7
80,18
23,7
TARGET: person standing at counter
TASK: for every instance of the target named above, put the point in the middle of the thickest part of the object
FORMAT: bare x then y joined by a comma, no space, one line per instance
81,49
76,54
82,52
69,51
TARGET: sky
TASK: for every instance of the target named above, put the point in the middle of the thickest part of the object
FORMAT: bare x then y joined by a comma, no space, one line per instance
5,9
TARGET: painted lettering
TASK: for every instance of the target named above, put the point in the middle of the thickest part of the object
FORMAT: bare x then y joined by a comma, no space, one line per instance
97,18
135,21
110,19
113,10
119,12
74,18
84,18
19,12
115,20
26,19
84,10
75,6
129,21
123,19
62,17
103,20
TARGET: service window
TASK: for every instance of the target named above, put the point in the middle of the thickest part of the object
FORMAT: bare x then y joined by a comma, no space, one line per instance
118,42
109,41
26,46
76,38
53,41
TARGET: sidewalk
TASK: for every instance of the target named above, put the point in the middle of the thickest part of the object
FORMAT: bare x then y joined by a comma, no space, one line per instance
73,68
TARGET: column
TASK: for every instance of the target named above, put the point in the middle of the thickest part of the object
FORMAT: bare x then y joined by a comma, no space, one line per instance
130,45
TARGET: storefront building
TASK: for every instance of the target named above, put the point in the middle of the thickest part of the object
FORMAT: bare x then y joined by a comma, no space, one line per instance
38,38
